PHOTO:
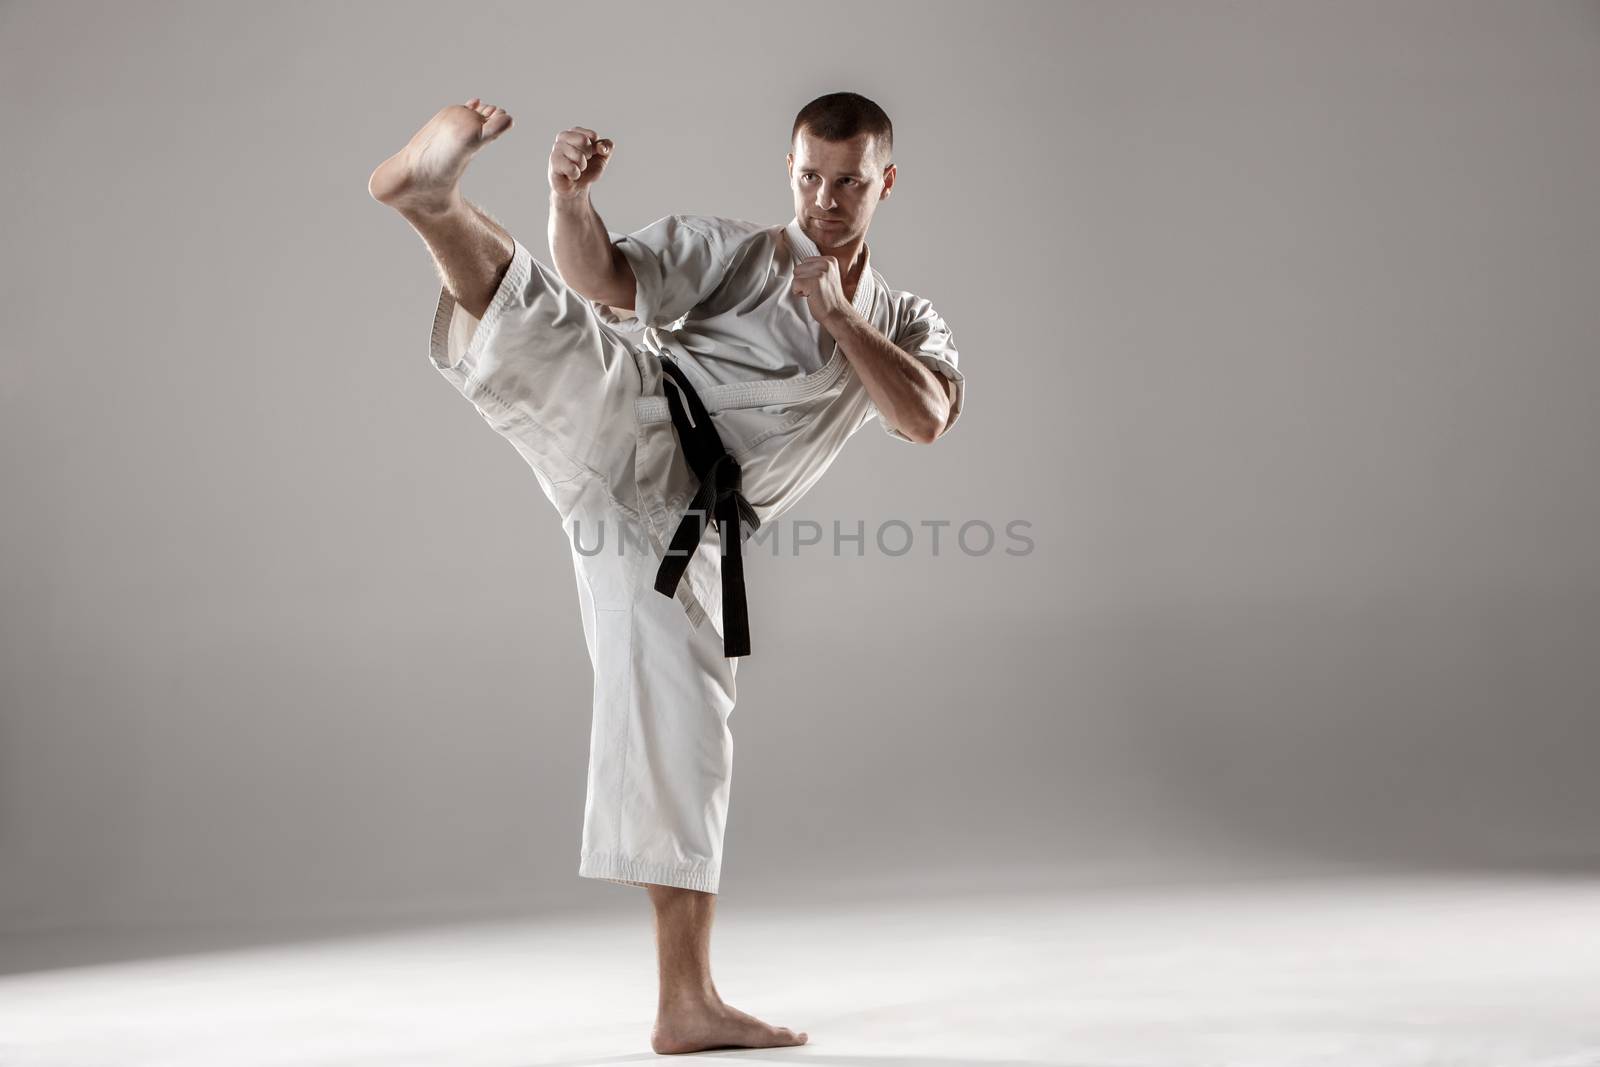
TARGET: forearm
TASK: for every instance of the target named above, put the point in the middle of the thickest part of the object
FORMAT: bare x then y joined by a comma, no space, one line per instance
584,255
908,396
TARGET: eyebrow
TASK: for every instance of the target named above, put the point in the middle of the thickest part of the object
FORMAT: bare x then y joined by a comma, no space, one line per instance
842,174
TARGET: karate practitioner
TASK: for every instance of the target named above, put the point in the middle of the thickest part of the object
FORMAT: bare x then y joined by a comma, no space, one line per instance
673,389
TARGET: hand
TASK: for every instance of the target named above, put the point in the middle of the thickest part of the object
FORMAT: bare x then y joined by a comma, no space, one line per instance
577,160
817,279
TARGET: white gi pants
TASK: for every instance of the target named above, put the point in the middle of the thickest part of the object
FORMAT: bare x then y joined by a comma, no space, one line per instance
550,377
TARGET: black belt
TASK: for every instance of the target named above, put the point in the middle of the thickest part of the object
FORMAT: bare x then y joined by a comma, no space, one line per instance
718,498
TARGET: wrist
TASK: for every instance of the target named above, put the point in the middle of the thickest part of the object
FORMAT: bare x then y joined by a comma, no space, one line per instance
570,202
838,319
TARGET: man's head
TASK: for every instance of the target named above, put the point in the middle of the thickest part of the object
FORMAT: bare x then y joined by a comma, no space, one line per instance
839,166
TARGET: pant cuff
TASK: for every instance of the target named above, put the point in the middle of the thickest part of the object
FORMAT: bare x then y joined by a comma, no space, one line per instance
624,871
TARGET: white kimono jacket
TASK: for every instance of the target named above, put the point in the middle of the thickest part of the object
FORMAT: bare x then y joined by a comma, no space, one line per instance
714,295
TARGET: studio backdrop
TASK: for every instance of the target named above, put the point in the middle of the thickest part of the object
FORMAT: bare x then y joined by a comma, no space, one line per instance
1267,534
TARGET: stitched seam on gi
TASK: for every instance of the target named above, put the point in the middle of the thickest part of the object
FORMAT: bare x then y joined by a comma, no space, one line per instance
703,876
757,392
516,277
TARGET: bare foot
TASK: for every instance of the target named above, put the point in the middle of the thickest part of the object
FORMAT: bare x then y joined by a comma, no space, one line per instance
424,175
701,1025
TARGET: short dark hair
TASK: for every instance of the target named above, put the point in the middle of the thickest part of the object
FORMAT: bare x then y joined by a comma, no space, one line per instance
842,116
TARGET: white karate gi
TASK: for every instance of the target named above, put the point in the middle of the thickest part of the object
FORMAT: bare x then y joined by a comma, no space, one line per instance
560,378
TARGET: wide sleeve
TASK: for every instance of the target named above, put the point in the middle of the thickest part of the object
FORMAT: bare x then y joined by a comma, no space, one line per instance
923,333
677,262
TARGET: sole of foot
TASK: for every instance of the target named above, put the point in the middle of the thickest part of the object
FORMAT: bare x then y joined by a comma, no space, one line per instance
425,175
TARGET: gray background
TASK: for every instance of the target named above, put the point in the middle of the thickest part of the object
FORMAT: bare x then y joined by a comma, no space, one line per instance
1280,324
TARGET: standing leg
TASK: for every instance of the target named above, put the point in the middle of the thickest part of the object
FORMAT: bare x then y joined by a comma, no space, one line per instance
422,181
690,1015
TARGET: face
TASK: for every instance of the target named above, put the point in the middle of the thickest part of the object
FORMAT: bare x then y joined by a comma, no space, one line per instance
837,187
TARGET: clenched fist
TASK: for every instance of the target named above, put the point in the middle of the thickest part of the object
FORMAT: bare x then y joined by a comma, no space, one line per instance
577,160
817,279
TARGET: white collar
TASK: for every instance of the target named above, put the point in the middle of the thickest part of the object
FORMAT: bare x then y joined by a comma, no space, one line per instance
804,247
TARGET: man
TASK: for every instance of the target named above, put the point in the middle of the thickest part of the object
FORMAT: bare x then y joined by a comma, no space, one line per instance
759,351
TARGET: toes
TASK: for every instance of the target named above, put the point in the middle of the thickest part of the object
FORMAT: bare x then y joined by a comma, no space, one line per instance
787,1036
498,124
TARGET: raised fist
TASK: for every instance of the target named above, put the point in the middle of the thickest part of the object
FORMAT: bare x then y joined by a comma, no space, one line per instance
577,160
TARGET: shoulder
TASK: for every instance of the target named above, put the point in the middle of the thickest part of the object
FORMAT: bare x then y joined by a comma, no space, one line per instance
907,310
719,228
730,241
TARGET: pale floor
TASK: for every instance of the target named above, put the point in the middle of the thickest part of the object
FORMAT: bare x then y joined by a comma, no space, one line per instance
1353,970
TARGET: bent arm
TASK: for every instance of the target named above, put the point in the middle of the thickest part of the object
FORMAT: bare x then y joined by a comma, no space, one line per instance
910,398
584,255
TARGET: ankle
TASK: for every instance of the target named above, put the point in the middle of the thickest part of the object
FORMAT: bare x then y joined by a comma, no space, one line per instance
435,209
688,998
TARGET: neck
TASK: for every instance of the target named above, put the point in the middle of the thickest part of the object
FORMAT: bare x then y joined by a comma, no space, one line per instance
850,256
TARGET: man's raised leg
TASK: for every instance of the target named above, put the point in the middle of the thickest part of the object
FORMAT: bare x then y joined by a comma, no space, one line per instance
690,1015
422,181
